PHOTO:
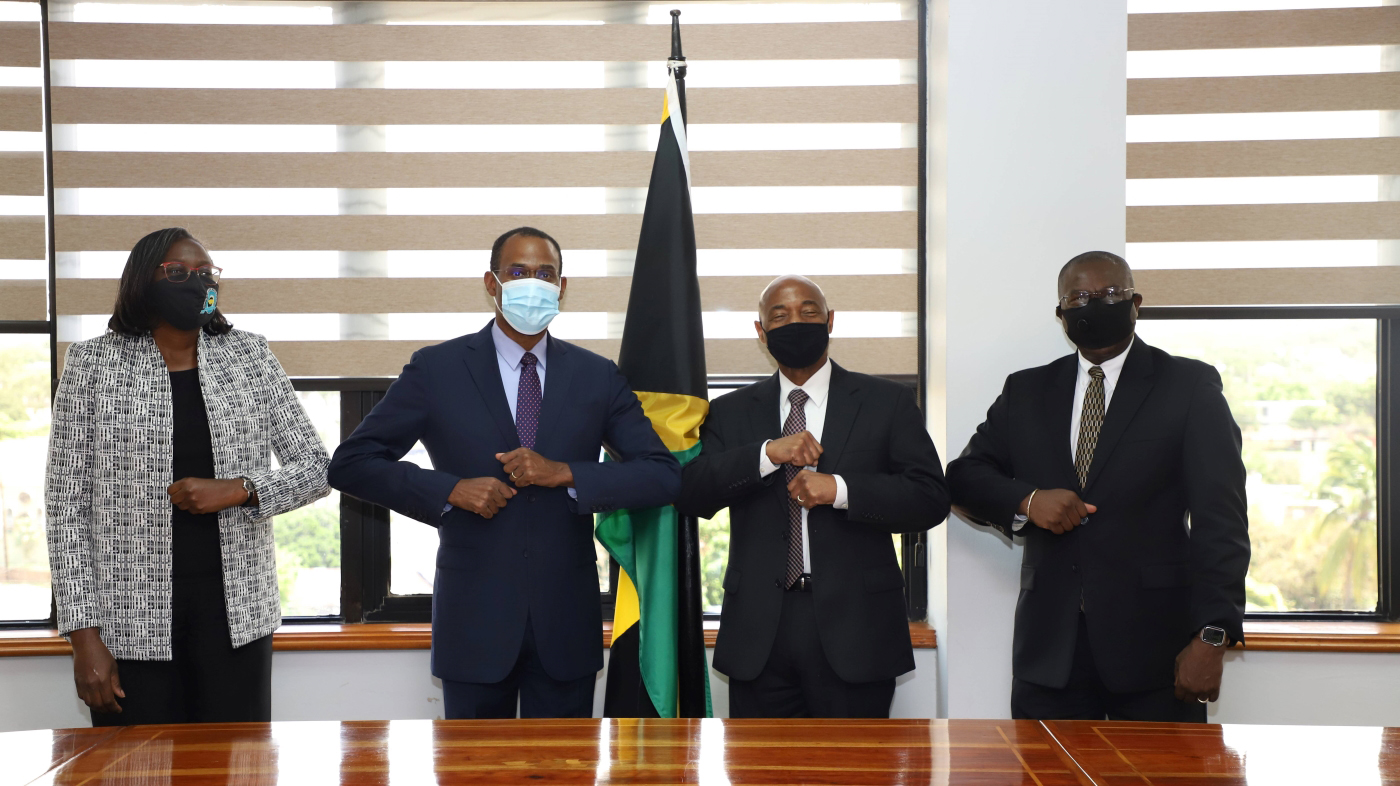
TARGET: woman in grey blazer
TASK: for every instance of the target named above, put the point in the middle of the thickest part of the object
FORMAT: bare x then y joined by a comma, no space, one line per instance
161,493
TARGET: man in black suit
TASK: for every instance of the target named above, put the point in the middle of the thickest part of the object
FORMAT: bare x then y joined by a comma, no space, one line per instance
1120,465
818,466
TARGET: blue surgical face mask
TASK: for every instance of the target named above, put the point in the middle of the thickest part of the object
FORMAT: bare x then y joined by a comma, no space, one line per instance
528,305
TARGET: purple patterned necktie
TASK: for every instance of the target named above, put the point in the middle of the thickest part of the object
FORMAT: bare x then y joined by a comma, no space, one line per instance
527,402
796,422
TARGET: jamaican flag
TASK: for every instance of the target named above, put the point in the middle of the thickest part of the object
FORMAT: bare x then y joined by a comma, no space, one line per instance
657,667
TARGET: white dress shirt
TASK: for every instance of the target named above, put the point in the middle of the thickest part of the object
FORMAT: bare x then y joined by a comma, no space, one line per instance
817,389
1112,370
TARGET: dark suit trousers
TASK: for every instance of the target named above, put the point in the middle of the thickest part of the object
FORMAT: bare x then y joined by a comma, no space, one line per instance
798,682
539,695
1084,697
207,680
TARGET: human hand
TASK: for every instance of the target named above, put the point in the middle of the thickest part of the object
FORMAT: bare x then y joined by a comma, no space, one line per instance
1198,671
1058,510
482,496
205,495
95,671
528,468
800,450
811,489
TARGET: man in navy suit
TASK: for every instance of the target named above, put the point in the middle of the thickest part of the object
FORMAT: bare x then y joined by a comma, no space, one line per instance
514,421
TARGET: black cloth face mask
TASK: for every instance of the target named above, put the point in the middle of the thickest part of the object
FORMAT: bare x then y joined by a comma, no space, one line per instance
1098,324
798,344
187,305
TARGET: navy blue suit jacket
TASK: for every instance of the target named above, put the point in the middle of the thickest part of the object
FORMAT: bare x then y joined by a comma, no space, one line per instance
534,559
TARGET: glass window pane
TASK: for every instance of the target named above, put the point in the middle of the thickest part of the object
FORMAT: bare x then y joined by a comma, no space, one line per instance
412,545
308,539
1304,395
24,438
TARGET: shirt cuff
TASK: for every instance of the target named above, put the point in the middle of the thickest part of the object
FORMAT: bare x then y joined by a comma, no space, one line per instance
1018,521
841,502
573,493
765,467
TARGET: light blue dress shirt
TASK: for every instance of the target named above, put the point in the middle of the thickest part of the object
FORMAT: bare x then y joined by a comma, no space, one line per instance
508,357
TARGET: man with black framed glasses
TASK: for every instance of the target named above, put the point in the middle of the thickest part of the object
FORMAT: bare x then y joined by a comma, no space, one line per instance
1120,468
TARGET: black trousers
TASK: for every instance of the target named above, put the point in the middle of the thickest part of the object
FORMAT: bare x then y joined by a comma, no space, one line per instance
207,680
798,682
1084,697
539,695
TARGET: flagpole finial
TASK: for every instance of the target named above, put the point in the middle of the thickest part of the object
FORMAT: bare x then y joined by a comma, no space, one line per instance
676,35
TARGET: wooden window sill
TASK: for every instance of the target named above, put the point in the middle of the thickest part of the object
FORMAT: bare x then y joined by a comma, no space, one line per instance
317,638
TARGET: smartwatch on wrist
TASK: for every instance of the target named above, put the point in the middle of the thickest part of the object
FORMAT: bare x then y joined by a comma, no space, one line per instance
1214,636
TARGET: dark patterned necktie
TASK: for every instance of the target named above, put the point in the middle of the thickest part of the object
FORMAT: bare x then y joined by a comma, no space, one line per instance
1090,421
527,401
796,422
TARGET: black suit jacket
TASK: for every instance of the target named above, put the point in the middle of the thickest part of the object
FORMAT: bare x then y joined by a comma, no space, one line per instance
1169,451
874,437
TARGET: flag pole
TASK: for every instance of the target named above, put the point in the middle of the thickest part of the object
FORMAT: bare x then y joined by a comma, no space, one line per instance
693,670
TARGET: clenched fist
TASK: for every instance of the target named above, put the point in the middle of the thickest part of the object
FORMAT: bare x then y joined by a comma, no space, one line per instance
800,450
811,489
528,468
1058,510
482,496
203,495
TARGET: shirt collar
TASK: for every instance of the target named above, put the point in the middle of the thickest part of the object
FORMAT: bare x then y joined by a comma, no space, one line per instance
1111,367
816,388
512,353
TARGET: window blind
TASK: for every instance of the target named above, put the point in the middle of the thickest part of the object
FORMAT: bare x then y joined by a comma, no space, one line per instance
1265,143
23,294
349,164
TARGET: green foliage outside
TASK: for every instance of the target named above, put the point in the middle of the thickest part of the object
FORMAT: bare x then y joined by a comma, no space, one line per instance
24,388
714,555
1304,395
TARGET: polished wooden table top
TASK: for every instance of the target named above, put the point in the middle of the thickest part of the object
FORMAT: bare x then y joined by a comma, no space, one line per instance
705,752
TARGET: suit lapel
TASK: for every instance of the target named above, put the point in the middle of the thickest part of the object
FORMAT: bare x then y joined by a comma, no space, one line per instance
480,359
1059,402
1134,383
842,405
764,414
558,376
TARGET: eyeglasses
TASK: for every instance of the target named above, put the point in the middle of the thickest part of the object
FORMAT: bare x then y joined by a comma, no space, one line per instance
1111,295
520,274
176,272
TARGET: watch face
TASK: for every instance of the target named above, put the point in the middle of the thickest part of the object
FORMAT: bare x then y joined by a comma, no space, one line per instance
1213,635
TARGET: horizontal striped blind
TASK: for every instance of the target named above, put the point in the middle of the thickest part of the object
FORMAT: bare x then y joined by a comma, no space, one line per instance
349,164
1267,140
21,165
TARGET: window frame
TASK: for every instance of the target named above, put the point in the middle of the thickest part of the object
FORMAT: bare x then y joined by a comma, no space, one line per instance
1387,440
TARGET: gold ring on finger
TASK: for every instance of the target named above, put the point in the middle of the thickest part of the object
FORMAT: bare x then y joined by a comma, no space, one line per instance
513,476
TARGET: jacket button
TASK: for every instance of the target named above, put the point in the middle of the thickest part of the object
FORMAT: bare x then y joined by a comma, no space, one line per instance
1074,568
778,583
527,553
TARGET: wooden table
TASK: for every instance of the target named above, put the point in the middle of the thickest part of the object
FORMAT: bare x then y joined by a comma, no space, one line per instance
706,752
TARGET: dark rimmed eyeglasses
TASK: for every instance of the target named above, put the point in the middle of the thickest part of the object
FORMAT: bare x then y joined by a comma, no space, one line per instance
176,272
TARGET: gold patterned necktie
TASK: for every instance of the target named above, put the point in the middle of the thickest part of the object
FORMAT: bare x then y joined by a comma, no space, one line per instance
1090,421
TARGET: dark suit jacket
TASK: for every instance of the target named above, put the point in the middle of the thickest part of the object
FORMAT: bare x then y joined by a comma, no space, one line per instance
535,557
874,437
1168,448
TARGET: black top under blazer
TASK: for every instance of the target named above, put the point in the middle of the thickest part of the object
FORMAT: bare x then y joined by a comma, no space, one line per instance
874,437
1167,551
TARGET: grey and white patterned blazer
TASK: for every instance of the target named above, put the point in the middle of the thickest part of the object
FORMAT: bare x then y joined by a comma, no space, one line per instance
110,462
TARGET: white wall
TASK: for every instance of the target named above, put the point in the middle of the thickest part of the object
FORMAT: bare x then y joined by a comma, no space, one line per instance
1035,102
37,693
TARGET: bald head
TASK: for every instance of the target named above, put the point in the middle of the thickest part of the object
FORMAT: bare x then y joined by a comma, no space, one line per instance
1099,265
791,299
